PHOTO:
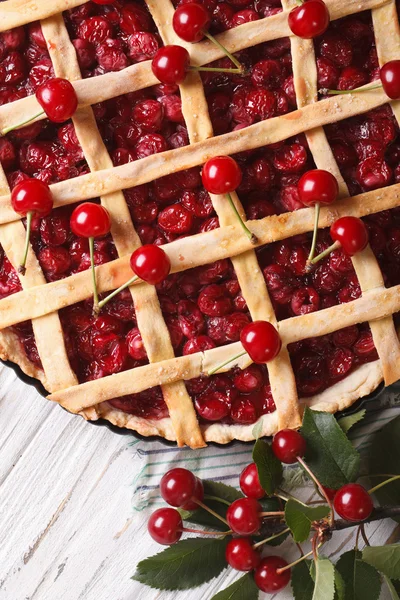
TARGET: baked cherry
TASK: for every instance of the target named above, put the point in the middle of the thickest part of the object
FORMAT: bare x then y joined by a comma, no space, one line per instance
250,482
310,19
31,198
390,78
353,503
243,516
241,555
287,445
267,576
222,175
91,220
178,487
348,233
165,526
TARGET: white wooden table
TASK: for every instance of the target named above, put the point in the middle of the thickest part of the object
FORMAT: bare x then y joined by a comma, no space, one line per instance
68,530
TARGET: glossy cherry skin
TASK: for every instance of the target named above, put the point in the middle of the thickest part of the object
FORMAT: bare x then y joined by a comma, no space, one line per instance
390,78
190,21
171,64
151,264
240,555
58,99
287,445
353,503
250,482
178,486
198,495
351,233
32,195
165,526
309,20
221,175
318,186
90,220
261,341
243,516
266,577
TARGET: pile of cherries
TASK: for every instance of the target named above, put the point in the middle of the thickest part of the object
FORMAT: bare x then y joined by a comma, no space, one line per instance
180,488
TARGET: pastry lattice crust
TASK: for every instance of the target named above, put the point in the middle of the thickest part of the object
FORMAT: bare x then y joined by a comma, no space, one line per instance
39,301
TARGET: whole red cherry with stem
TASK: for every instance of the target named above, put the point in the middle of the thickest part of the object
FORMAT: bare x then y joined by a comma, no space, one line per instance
171,65
260,341
149,263
31,198
58,99
272,574
348,233
90,220
191,22
390,82
250,482
165,526
310,19
222,175
352,502
288,445
241,555
244,516
317,187
179,487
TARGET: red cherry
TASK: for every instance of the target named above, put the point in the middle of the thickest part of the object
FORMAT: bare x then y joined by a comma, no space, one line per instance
287,445
240,555
171,64
151,264
103,2
318,186
165,526
243,516
198,494
390,77
351,233
90,220
178,486
353,503
190,21
250,482
58,99
261,341
221,175
266,577
32,195
309,20
331,493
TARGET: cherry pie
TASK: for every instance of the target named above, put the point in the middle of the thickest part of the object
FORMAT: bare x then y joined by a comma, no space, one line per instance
137,146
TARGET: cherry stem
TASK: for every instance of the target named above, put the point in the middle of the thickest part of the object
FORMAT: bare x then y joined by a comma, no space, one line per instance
12,127
201,532
22,267
95,292
314,546
227,362
212,512
207,497
315,233
215,70
115,293
327,92
296,562
380,485
269,539
320,487
228,54
253,239
278,513
364,535
325,253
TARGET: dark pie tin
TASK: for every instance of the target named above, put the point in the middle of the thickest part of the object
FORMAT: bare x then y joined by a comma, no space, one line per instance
373,402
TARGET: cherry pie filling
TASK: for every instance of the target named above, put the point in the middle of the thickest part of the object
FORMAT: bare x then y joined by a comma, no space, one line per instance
203,307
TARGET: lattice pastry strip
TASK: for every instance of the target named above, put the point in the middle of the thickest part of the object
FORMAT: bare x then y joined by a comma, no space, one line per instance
151,324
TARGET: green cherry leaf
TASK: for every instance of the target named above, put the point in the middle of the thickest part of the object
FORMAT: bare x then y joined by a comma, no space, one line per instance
385,559
346,423
330,454
324,580
383,457
242,589
392,588
340,588
257,429
269,468
362,581
201,516
299,518
302,583
184,565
